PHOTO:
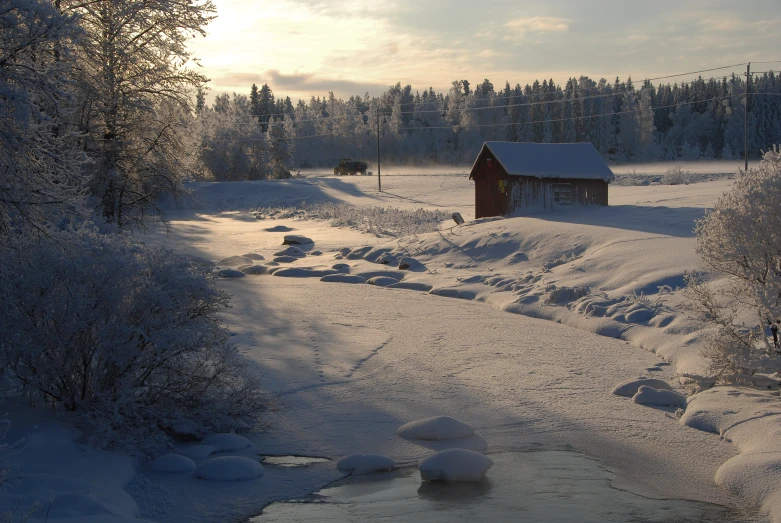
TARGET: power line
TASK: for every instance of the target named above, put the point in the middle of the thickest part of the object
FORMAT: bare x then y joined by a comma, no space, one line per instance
564,91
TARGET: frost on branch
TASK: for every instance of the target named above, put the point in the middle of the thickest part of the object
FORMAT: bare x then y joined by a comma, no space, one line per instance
127,335
740,239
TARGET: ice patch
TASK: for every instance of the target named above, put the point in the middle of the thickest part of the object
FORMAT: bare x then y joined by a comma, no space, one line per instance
229,468
454,465
364,464
437,428
172,463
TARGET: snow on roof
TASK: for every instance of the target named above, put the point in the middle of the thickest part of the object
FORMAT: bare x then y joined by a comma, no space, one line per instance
549,160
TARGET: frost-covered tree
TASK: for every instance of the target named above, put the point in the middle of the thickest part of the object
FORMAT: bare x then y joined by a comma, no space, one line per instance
125,335
132,58
740,239
40,167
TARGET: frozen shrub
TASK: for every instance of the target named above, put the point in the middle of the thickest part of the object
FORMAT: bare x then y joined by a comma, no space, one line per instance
676,176
127,335
740,238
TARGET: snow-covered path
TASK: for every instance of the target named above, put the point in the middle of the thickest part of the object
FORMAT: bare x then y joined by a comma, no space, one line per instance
523,383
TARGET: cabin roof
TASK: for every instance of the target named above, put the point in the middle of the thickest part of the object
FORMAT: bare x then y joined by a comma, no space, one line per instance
548,160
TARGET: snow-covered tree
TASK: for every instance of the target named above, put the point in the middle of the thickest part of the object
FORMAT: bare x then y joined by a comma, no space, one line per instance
132,58
40,166
740,239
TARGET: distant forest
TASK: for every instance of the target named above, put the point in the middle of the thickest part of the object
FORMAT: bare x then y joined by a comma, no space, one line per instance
259,135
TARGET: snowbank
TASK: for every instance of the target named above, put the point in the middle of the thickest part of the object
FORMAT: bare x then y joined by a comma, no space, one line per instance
454,465
364,464
438,428
229,468
172,463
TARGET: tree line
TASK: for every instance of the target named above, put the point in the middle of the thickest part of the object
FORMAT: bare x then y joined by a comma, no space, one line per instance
700,119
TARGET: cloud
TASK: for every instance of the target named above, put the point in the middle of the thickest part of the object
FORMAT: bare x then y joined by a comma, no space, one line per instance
539,24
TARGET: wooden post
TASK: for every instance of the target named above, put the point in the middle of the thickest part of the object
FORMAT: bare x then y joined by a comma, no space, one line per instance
745,121
379,174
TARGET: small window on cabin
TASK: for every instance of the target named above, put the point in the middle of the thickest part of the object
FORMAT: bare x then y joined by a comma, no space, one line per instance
562,193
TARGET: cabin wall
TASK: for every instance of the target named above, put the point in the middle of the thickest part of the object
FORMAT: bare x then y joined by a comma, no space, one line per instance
528,192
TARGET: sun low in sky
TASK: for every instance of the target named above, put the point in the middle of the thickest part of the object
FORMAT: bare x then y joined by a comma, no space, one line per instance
310,47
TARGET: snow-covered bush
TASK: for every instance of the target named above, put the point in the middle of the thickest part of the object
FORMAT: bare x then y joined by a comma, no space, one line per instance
676,175
127,335
740,238
379,221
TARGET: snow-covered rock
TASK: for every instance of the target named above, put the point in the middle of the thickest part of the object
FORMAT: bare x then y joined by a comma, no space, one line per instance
343,278
172,463
658,398
295,239
229,468
304,272
199,451
630,388
254,269
438,428
291,251
235,261
285,259
412,285
341,267
230,273
409,264
365,463
455,465
253,256
387,259
227,442
382,281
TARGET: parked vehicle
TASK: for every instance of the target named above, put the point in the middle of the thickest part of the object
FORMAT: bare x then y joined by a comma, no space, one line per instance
347,166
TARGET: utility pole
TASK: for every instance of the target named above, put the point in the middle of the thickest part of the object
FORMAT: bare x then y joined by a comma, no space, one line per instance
745,121
379,176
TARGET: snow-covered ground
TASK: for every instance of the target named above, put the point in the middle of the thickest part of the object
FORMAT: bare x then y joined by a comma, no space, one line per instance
520,327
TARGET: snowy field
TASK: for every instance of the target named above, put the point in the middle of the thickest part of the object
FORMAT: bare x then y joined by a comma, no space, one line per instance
520,327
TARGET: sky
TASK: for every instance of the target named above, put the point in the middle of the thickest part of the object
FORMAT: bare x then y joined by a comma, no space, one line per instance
302,48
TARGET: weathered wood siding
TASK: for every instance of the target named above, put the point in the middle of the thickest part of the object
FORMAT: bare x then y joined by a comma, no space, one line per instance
527,192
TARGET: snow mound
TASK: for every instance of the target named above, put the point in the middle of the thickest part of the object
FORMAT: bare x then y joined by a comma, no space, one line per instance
438,428
230,273
387,259
291,251
229,468
172,463
294,239
341,267
198,451
227,442
254,256
254,269
409,264
343,278
454,465
303,272
285,259
658,398
234,261
364,464
412,285
278,228
630,388
382,281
